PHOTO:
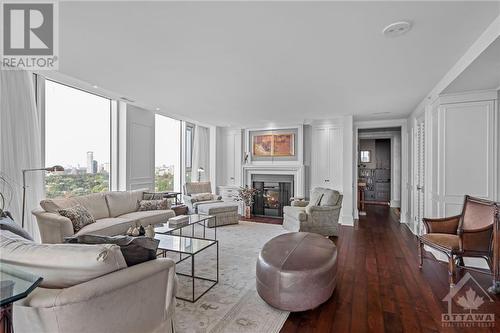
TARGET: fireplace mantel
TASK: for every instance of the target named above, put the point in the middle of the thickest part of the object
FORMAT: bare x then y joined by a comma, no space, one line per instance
297,171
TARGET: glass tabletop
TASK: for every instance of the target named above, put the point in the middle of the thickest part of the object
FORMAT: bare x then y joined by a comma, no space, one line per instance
15,284
194,218
181,244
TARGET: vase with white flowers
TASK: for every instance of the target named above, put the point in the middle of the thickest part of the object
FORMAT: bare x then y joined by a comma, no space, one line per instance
246,195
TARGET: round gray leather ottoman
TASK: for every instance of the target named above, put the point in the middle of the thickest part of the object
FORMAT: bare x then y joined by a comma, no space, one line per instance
297,271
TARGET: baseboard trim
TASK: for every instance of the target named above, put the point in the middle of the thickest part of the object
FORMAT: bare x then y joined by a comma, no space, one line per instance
347,220
395,204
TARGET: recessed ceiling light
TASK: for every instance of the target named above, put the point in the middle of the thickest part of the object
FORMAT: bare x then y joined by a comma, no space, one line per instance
95,86
157,109
397,29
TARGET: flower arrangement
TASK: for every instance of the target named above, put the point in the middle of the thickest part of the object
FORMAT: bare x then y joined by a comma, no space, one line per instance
246,194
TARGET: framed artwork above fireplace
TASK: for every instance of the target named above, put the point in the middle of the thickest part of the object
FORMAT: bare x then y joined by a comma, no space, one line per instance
282,144
274,146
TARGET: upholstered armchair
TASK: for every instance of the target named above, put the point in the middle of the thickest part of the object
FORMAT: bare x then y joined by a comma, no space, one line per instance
198,193
470,234
319,215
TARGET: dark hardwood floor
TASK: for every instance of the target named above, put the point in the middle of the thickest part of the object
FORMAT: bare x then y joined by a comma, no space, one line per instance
380,287
263,219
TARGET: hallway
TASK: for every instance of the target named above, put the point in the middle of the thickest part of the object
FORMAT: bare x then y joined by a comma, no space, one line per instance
380,287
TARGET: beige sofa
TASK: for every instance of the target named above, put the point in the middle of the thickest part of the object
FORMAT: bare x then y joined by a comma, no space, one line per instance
114,212
89,288
319,215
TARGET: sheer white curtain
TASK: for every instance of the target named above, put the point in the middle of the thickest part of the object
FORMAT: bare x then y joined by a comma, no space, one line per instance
201,153
20,142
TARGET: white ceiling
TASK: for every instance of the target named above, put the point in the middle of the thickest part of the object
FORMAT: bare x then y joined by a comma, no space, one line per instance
482,74
259,63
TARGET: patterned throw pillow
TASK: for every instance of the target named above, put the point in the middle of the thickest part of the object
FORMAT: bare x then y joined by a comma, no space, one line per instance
79,216
201,197
154,205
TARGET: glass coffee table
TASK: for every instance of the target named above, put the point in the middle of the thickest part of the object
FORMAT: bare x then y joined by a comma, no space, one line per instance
189,246
194,219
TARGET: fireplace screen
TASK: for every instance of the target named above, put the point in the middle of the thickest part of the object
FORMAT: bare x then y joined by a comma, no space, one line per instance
271,198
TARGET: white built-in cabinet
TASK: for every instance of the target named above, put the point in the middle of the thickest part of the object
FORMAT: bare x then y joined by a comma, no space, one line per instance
326,156
231,148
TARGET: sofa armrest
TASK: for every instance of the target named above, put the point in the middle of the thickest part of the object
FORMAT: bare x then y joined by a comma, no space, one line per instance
447,225
53,227
321,209
299,203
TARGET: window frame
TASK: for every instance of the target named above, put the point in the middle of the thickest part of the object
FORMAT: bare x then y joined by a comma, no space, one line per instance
40,101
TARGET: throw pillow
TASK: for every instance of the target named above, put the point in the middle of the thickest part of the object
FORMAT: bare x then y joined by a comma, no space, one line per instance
135,250
79,216
202,197
154,205
8,224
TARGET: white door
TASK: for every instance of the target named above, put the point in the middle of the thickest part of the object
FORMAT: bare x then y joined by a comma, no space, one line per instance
321,157
419,175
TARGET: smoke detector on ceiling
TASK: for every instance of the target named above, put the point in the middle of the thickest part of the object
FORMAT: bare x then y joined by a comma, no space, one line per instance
397,29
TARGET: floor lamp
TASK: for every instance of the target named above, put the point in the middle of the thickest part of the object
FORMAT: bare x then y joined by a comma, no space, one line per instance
49,169
200,171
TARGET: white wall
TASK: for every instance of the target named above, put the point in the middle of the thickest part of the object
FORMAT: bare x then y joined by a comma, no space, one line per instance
140,149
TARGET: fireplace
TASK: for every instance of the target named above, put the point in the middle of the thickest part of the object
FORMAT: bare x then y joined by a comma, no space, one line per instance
274,193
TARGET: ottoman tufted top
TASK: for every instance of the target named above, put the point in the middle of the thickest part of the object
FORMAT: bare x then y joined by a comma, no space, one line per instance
299,251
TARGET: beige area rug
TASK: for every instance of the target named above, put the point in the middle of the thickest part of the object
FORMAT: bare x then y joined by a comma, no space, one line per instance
233,305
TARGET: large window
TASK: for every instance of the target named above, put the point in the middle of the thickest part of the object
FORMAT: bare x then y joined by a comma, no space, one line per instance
167,154
77,136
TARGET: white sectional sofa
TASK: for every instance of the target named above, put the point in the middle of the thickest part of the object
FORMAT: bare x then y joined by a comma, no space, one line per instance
114,212
89,289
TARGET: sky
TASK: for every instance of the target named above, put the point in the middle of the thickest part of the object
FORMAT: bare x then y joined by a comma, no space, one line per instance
167,141
77,122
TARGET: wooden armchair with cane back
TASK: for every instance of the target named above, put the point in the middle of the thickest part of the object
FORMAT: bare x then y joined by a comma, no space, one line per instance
473,233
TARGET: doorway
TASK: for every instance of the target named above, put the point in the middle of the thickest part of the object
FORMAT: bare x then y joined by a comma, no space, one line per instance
379,168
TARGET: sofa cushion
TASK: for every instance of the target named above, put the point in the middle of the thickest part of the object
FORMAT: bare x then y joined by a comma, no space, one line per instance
148,217
79,216
135,250
60,265
95,203
217,208
298,213
329,198
162,204
110,226
196,197
122,202
447,241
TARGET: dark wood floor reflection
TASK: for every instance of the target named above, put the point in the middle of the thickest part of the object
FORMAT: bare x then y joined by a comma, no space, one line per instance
380,287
